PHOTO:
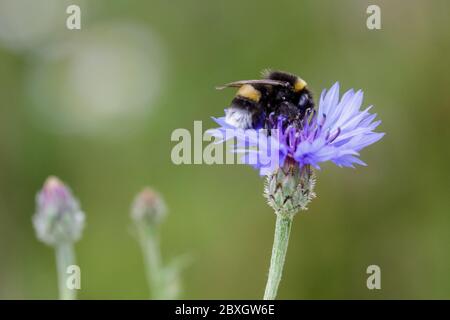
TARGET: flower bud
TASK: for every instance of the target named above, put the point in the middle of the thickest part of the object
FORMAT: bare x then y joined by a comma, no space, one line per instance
58,217
290,189
148,207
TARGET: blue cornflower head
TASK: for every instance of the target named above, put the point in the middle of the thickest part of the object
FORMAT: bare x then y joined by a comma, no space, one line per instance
335,132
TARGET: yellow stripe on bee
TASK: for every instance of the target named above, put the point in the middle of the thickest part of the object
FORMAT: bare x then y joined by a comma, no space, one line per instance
299,85
249,92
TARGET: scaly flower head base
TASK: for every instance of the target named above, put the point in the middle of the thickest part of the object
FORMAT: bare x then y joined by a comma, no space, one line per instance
290,189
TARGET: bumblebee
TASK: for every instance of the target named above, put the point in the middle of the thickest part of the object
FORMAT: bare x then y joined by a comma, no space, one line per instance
278,93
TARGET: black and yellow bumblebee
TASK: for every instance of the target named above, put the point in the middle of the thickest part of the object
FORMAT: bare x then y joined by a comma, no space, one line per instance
279,93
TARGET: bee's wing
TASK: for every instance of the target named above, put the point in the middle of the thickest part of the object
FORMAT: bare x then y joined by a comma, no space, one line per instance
262,81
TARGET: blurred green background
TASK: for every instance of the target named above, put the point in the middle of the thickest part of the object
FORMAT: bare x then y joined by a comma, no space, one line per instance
97,106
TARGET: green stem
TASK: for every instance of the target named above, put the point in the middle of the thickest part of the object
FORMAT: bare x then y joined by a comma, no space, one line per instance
280,245
149,240
65,257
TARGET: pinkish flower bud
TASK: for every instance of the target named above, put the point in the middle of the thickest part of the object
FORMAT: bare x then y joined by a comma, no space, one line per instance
148,207
58,217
